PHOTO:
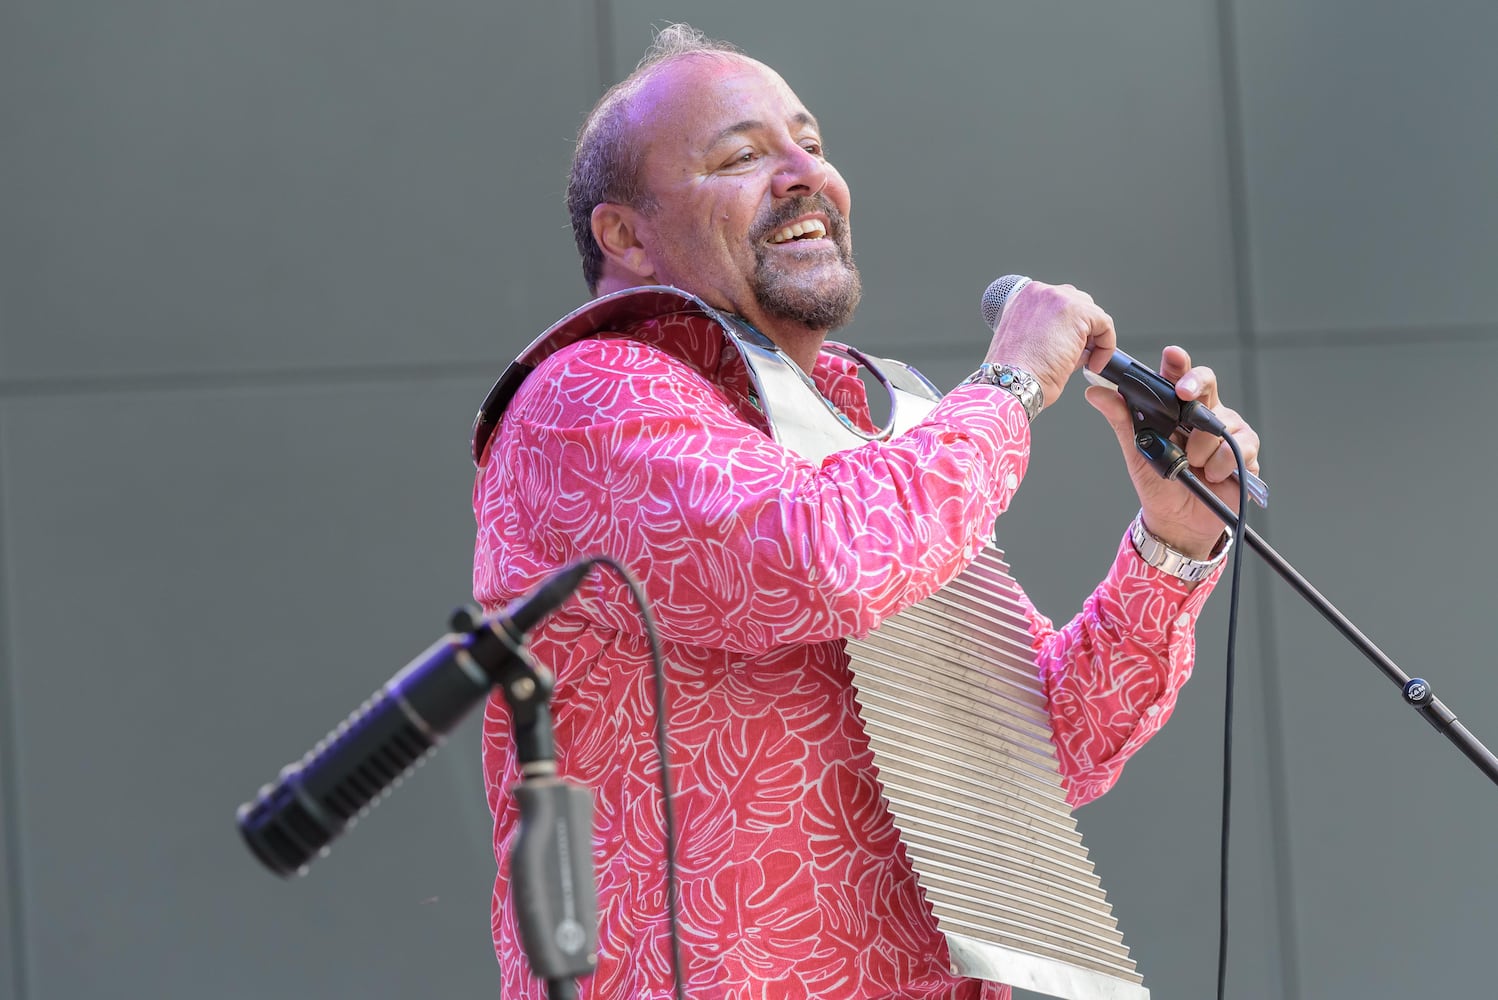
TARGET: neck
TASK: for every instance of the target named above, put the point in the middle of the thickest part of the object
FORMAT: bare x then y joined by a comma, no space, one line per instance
799,344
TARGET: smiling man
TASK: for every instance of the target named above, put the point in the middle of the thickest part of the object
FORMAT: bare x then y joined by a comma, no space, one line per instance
642,440
738,201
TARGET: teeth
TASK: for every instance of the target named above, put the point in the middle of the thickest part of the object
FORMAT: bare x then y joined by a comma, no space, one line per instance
811,226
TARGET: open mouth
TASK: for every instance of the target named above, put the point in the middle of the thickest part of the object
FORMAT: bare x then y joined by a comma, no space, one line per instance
806,229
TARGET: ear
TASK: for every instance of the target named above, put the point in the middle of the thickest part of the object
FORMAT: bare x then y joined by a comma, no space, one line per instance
617,229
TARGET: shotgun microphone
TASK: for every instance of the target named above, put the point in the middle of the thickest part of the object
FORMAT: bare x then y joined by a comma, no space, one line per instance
293,820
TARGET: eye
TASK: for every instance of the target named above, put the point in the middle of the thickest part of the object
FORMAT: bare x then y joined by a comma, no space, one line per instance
812,146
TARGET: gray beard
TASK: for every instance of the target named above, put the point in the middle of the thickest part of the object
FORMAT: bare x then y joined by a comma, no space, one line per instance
823,305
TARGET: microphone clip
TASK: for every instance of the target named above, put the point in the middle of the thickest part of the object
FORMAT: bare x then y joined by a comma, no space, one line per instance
502,656
1164,456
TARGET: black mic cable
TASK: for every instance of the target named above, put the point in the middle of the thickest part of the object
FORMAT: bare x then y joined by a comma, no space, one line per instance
1167,458
1229,683
668,811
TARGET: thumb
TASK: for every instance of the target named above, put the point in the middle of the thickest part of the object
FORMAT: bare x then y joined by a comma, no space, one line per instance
1112,406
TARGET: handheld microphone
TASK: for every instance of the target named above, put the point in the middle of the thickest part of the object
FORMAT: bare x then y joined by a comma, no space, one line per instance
1145,390
314,800
1150,396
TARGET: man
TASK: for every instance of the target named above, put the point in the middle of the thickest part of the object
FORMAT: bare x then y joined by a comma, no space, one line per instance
703,170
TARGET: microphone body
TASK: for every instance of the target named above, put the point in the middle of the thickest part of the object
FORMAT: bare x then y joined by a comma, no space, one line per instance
314,800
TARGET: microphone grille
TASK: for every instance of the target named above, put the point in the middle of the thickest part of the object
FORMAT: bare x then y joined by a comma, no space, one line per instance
997,293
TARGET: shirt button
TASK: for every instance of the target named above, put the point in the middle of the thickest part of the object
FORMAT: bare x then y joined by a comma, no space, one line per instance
1011,482
1152,711
1183,620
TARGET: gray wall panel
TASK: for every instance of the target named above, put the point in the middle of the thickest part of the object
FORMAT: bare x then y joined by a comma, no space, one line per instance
995,139
12,958
242,187
1371,142
1392,828
201,589
12,952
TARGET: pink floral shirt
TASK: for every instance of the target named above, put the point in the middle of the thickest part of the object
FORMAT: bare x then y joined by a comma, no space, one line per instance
758,564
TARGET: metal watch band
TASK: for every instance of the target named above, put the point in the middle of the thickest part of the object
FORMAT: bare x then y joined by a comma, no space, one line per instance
1016,381
1168,560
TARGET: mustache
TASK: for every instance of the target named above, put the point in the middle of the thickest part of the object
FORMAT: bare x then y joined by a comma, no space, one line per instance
778,216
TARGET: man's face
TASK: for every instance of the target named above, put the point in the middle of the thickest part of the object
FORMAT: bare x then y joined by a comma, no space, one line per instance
746,211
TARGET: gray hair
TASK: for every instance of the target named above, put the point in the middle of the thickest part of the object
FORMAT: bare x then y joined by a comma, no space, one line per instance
606,163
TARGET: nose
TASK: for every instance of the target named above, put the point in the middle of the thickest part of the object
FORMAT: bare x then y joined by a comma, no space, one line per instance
799,174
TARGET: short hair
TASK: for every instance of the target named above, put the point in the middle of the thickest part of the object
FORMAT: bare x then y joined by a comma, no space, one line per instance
606,163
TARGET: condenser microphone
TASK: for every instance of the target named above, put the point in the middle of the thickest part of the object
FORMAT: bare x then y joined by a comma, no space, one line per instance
293,820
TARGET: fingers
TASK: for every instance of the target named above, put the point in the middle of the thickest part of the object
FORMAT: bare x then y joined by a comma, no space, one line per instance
1102,338
1174,362
1198,383
1212,456
1111,405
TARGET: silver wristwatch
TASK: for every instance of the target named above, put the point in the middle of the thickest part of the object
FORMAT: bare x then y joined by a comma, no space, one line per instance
1016,381
1168,560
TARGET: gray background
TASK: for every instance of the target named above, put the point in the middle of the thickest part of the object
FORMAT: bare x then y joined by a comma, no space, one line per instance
259,263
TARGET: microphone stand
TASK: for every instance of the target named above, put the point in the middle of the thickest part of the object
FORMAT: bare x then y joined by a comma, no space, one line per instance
552,884
1167,458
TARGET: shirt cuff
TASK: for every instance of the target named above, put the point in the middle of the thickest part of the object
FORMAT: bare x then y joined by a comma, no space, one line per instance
1148,603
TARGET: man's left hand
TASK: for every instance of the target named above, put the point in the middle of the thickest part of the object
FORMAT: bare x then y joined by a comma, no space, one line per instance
1171,513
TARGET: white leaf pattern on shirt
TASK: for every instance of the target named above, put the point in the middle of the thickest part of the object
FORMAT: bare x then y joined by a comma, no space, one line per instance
758,564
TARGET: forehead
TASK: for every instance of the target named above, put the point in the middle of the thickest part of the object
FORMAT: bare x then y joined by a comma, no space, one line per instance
689,102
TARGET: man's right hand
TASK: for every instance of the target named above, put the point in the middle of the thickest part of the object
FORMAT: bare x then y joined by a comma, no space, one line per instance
1050,331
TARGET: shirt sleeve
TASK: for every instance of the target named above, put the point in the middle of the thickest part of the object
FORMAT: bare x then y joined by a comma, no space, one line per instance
1113,674
614,447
